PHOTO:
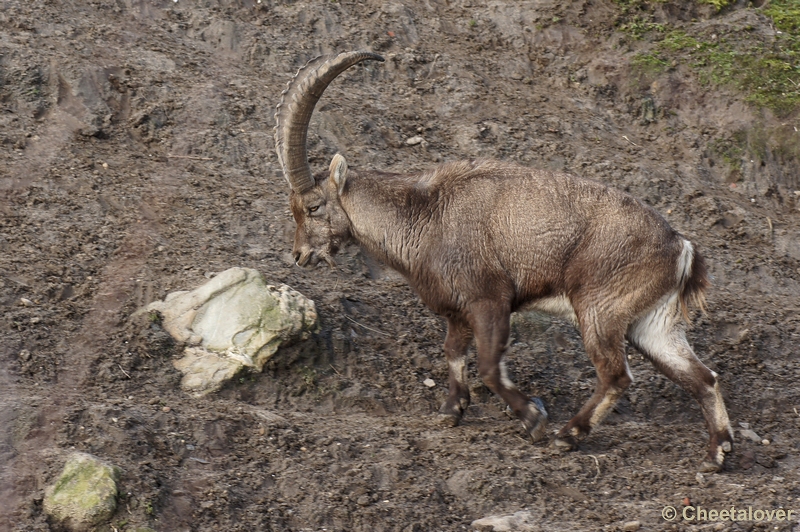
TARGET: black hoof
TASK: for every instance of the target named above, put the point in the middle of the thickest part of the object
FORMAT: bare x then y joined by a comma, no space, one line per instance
715,460
565,443
709,466
535,419
448,420
450,415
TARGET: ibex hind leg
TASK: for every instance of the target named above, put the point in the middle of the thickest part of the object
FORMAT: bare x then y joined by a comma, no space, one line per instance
459,336
605,350
660,337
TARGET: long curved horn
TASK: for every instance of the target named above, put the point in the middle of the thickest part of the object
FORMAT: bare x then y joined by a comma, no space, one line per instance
294,112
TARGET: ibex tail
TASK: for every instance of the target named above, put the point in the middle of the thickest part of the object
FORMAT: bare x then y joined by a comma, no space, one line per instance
693,276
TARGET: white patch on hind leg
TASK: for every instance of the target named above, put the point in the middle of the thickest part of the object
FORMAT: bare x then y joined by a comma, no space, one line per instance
720,455
656,334
720,413
609,400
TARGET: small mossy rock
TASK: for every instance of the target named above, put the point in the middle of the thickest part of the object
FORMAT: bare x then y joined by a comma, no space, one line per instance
84,495
235,320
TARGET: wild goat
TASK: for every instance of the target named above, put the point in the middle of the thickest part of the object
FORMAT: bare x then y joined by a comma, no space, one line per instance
479,240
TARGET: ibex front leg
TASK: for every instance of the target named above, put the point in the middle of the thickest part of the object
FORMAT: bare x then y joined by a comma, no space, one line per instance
459,335
490,323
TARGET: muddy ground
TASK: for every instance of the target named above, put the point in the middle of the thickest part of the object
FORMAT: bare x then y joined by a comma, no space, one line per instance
137,158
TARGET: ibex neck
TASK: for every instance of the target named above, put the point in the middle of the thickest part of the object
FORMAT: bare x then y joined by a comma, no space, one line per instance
389,218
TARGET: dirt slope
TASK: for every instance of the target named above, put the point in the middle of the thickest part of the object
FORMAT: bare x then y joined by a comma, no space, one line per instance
137,159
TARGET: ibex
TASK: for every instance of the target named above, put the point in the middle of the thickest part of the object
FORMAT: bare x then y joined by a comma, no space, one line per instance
478,240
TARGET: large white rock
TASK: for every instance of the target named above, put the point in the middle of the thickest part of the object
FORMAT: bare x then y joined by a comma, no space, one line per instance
84,495
521,521
235,320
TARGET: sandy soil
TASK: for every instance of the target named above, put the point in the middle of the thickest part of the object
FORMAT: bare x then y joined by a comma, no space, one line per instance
137,159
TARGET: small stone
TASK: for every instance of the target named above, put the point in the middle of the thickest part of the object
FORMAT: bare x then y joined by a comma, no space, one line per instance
750,435
166,409
430,383
25,302
765,442
25,355
744,425
631,526
105,165
363,500
765,460
413,141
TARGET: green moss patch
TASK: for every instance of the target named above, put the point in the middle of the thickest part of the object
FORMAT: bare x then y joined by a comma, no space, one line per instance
764,67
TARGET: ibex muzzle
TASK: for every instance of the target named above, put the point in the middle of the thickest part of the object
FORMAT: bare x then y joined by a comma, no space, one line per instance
479,240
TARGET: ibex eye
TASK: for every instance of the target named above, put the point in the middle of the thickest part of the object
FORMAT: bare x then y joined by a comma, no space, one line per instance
313,209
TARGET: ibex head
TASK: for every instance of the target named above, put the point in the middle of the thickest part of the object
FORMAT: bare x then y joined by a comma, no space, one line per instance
322,226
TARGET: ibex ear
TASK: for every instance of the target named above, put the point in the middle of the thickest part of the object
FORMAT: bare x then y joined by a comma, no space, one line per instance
339,171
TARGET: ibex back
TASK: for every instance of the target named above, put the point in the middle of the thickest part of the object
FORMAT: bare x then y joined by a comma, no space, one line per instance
479,240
